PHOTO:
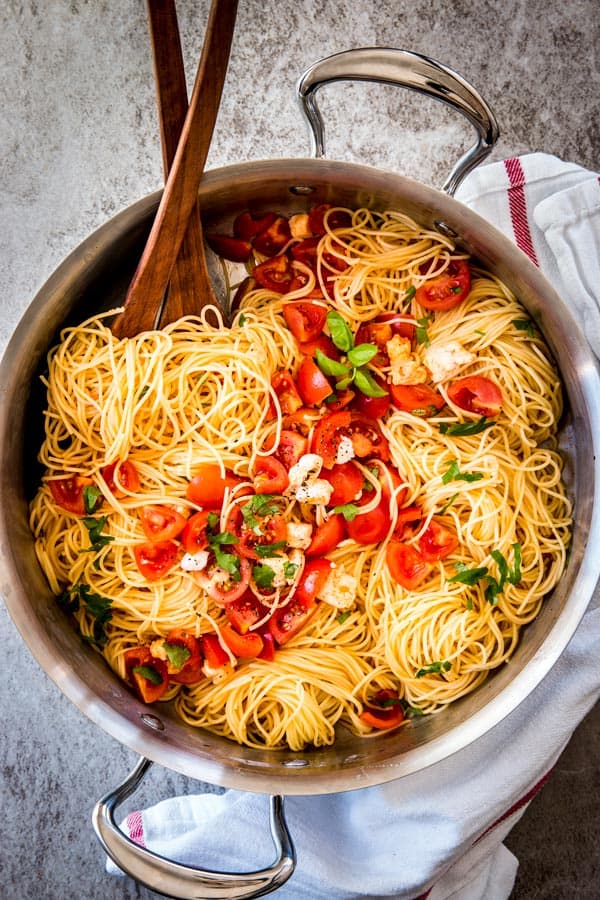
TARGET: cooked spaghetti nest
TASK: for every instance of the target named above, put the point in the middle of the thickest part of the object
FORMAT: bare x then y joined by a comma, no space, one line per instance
194,393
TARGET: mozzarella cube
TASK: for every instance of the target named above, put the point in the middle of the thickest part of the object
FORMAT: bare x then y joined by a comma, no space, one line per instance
445,360
299,534
340,589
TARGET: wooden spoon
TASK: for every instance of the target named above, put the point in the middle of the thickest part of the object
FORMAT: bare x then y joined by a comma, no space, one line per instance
147,289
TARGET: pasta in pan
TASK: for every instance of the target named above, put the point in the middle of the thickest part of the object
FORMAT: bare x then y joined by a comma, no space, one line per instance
342,510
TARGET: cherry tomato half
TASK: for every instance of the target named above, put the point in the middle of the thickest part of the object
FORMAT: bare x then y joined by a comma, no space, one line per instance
244,646
322,343
288,620
121,478
287,392
68,493
384,711
146,674
305,320
371,527
215,656
437,542
340,218
328,434
247,226
272,530
193,536
418,399
270,476
327,536
224,593
477,394
406,565
292,445
245,612
232,248
313,386
161,523
347,482
207,487
155,559
373,407
275,274
272,239
446,290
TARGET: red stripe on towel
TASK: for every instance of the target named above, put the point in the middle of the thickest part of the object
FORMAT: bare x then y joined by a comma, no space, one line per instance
519,804
135,827
517,205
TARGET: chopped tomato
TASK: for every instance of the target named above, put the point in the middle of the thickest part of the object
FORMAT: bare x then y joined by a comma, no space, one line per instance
156,559
68,492
207,487
322,343
370,527
327,536
312,384
232,248
245,612
271,530
288,620
367,438
193,536
248,226
275,274
339,400
305,251
223,592
305,320
291,447
270,476
418,399
406,564
313,578
161,523
476,394
373,407
328,433
446,290
437,542
244,646
268,650
384,711
407,518
287,393
401,324
215,656
340,218
148,675
272,239
189,671
121,477
347,482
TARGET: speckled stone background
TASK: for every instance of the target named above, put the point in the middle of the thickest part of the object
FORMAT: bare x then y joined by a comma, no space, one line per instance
79,143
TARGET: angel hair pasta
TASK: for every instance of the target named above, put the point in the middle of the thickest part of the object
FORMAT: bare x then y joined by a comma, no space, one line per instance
339,511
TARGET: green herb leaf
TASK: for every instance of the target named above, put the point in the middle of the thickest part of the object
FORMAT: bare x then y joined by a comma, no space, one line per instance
330,367
342,617
98,607
464,429
290,569
448,504
97,539
263,575
149,673
421,330
367,385
362,354
91,496
524,325
410,293
212,520
241,319
265,550
453,473
464,575
434,668
348,510
339,331
344,382
177,654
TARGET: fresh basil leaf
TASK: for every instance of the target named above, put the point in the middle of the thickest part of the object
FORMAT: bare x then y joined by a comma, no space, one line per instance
228,561
342,617
149,673
515,575
212,520
464,429
343,384
339,331
524,325
448,504
263,575
464,575
330,367
177,654
265,550
223,537
241,319
290,569
97,539
453,473
91,496
348,510
362,354
421,332
410,293
367,385
434,668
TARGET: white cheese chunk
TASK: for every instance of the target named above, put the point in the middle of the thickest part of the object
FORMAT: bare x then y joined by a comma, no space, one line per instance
299,534
405,367
299,226
340,589
304,481
445,360
345,451
194,562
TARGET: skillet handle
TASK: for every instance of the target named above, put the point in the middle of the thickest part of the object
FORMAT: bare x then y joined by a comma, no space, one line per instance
405,69
184,882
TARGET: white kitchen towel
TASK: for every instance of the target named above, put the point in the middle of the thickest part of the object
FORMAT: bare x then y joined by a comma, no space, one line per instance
437,833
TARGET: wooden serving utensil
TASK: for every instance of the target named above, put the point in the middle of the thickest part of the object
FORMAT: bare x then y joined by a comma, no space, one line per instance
179,202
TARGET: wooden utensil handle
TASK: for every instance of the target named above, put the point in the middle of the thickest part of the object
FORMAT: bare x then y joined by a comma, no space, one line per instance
147,289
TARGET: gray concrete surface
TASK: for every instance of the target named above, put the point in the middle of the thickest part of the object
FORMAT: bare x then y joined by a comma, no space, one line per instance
79,143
